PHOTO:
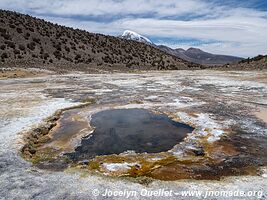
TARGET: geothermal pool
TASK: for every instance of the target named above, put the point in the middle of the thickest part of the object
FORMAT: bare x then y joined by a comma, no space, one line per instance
138,130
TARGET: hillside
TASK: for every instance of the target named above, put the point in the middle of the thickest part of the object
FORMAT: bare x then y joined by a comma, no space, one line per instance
258,62
26,41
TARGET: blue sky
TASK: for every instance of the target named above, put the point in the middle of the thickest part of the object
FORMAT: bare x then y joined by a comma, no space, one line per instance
231,27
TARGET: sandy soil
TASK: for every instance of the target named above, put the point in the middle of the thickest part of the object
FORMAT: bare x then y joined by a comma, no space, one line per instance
6,73
262,114
212,101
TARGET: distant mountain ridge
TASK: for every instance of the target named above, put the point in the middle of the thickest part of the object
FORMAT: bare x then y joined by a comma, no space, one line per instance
192,54
31,42
199,56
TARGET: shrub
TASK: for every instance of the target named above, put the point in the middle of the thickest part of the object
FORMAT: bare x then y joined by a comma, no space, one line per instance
19,30
67,49
31,46
58,47
77,57
69,59
82,47
57,55
3,47
10,44
58,35
46,55
47,34
31,29
89,60
22,47
6,36
12,26
2,30
27,36
16,51
37,40
4,55
73,47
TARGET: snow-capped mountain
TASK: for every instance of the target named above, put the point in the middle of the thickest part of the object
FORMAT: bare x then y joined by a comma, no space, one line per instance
131,35
192,54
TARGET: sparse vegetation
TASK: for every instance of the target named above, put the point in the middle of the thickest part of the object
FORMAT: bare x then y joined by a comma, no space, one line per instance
258,62
4,55
23,39
31,46
22,47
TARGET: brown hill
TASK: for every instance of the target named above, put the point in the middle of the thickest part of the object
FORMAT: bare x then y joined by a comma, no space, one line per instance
26,41
258,62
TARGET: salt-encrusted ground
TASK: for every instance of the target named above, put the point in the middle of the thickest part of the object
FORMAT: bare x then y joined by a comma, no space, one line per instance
211,101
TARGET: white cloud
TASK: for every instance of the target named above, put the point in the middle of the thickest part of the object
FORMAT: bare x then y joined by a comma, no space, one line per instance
108,7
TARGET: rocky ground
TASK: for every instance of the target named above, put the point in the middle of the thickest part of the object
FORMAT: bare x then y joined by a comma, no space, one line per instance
222,106
7,73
